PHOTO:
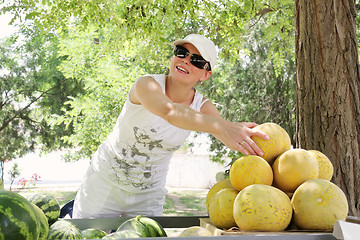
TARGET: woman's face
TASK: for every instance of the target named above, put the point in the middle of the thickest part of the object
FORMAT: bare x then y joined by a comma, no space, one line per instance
183,69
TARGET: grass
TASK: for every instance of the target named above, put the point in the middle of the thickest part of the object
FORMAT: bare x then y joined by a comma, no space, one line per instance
177,203
193,202
62,196
169,206
185,203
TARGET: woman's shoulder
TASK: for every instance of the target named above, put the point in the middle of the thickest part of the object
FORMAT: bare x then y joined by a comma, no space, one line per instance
144,83
157,77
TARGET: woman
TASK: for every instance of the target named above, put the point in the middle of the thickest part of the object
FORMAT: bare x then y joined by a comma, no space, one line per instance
127,174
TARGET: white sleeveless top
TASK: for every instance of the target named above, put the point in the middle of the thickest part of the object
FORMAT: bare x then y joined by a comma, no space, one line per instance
136,155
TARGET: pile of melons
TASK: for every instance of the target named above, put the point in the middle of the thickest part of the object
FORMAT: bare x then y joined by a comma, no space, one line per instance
284,186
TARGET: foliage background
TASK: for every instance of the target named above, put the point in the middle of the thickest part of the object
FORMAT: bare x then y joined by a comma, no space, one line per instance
92,52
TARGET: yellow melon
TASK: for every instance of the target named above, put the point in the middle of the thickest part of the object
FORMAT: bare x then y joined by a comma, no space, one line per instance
293,168
261,207
318,204
225,183
195,231
326,169
249,170
278,143
221,208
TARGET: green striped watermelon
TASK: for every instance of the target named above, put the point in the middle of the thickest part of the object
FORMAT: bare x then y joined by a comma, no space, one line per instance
43,223
18,217
122,234
145,226
92,233
63,229
48,204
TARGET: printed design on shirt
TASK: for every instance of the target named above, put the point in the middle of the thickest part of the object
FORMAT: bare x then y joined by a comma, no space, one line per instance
132,166
143,138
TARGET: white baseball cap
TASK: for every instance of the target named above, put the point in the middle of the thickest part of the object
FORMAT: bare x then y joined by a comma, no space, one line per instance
205,46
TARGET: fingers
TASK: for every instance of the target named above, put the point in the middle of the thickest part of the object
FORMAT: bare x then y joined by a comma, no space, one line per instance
242,149
247,144
260,134
239,138
256,149
249,124
250,147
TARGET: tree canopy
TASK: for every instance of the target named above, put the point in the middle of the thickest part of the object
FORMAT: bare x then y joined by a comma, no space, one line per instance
31,90
147,26
106,45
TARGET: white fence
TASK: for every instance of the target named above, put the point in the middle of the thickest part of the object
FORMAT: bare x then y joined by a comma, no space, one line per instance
192,171
185,170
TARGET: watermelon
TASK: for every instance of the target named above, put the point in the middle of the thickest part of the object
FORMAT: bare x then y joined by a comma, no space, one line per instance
48,204
43,223
63,229
18,217
92,233
122,234
145,226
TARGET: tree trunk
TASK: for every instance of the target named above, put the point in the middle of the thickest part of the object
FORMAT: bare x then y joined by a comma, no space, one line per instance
1,175
327,89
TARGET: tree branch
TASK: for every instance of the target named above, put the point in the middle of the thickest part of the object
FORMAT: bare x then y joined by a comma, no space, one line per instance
264,11
7,122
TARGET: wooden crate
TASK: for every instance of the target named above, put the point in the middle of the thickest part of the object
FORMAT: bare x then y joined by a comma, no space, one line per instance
289,234
110,224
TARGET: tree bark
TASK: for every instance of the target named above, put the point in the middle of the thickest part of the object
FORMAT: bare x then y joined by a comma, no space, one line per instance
327,89
1,175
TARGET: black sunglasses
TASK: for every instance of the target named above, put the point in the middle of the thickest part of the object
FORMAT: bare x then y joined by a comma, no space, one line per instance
195,59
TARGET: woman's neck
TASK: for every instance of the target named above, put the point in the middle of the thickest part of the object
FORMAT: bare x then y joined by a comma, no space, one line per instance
179,92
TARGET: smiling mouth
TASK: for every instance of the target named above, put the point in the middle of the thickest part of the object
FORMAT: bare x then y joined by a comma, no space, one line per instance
182,70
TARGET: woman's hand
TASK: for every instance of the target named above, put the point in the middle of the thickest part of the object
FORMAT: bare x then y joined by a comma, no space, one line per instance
237,137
